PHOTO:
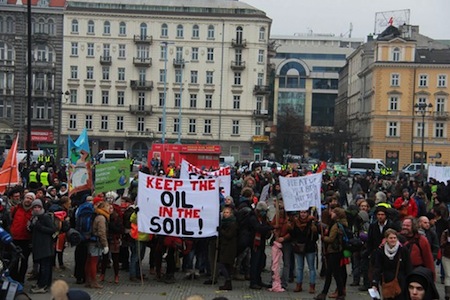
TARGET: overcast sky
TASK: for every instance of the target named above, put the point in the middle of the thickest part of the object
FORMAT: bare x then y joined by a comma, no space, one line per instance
334,16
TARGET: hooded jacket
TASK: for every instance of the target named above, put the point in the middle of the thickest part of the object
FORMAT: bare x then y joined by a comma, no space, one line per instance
424,276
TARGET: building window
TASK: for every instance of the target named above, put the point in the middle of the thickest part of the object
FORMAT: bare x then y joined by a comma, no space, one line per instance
395,79
143,30
440,105
106,50
194,54
258,127
122,51
178,75
122,28
260,56
393,103
141,101
162,75
207,128
420,129
40,110
259,101
236,102
91,27
393,130
104,123
90,49
210,32
5,108
161,99
422,100
160,124
423,80
192,124
119,123
208,101
235,127
260,80
72,121
176,125
180,31
141,124
107,28
121,74
396,54
195,32
164,30
210,54
105,73
74,26
237,78
89,97
439,130
262,34
194,77
89,72
73,97
177,100
193,101
73,72
209,77
120,98
88,122
442,80
105,97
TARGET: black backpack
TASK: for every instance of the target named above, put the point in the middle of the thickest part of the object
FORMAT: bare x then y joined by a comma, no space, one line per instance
126,217
349,241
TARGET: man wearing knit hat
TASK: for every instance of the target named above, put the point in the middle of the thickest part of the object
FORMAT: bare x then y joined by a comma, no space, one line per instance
20,215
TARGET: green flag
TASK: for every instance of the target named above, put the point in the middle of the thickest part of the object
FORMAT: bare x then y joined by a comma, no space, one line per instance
112,176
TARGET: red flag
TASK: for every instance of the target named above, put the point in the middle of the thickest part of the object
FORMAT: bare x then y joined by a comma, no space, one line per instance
322,167
9,174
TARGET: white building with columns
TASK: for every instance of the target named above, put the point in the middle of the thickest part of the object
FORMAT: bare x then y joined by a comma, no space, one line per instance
140,72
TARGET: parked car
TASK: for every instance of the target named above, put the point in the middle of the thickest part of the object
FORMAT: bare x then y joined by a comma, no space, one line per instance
412,169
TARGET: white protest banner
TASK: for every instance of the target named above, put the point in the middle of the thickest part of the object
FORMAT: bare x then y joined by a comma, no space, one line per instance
189,171
300,193
177,207
439,173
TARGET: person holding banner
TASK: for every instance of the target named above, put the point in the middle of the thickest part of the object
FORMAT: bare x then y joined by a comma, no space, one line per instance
261,231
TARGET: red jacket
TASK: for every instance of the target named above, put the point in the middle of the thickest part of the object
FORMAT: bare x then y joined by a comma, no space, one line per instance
410,210
20,218
420,252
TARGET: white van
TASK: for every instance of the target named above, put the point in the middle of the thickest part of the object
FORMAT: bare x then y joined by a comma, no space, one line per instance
413,169
360,166
105,156
226,161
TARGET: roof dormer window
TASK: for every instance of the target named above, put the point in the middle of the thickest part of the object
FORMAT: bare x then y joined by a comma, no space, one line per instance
396,54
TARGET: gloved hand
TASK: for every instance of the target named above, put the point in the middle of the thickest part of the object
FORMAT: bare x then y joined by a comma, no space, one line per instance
105,250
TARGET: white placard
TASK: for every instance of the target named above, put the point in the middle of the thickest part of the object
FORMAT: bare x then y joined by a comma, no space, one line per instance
300,193
177,207
189,171
439,173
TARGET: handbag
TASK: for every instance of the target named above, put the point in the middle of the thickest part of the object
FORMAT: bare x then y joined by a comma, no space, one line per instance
299,248
392,288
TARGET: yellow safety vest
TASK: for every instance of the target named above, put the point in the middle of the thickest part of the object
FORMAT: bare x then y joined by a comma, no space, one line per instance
44,178
33,176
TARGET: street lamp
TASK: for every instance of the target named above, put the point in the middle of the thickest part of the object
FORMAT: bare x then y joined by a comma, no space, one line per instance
66,96
165,45
422,108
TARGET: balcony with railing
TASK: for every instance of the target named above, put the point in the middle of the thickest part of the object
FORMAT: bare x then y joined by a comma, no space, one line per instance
238,65
141,109
40,37
48,123
141,85
178,63
441,115
105,60
43,64
142,61
261,90
143,39
239,43
261,114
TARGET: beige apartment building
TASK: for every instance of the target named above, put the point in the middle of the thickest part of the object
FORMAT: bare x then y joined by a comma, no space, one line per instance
396,97
173,71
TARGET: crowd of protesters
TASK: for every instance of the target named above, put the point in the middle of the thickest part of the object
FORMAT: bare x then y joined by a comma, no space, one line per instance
401,230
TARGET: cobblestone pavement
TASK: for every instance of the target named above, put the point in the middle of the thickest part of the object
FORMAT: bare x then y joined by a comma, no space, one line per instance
151,289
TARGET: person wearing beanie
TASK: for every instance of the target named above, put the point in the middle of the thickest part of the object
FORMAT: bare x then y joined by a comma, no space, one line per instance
420,285
333,242
21,215
42,228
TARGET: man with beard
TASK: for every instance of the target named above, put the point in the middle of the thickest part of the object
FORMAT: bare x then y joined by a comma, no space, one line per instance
417,244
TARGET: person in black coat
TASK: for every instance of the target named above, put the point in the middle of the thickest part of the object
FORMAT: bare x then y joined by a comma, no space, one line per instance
420,285
227,245
42,228
390,257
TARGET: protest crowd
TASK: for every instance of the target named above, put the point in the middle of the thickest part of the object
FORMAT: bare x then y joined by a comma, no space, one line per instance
394,233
